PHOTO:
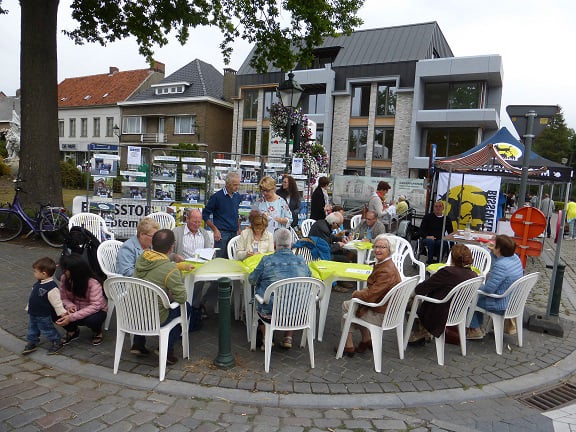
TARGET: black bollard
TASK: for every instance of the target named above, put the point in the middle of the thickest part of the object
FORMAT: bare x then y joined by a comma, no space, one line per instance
557,291
224,359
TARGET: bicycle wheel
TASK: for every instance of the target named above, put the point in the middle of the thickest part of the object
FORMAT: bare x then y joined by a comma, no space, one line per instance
52,226
10,225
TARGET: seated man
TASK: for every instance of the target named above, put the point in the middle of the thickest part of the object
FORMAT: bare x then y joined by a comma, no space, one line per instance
189,238
431,231
155,266
282,264
323,228
370,228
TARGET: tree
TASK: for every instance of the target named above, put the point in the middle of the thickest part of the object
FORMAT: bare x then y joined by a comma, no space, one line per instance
556,141
103,21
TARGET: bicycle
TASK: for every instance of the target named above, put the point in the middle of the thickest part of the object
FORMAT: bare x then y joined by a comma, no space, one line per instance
49,222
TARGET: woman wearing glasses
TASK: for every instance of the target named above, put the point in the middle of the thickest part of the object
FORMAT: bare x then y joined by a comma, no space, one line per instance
274,207
383,278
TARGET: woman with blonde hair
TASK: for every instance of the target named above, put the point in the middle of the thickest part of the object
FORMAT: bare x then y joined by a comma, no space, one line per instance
255,239
274,207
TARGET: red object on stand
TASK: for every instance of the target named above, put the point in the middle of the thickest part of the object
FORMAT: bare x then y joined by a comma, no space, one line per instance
527,223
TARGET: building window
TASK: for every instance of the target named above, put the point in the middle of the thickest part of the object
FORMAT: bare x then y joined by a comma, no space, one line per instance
314,103
357,143
449,142
386,100
131,125
184,124
83,127
109,126
72,128
249,141
96,126
61,128
270,98
383,141
169,89
454,95
360,100
250,105
319,136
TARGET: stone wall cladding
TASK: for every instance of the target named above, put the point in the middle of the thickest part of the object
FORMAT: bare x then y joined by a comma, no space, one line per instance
339,154
401,151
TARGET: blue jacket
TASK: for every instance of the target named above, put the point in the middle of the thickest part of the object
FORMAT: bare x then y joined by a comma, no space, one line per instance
127,256
282,264
505,271
318,247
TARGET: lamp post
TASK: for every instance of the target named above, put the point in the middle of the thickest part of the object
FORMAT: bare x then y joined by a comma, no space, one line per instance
116,131
290,92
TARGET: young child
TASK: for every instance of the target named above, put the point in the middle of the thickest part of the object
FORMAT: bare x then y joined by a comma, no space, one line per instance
44,304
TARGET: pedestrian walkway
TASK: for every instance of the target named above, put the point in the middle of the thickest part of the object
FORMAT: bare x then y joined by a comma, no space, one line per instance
407,385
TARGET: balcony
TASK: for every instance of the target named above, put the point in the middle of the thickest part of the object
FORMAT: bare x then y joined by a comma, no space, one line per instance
153,138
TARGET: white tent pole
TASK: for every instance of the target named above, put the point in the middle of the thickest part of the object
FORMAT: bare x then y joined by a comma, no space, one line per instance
444,218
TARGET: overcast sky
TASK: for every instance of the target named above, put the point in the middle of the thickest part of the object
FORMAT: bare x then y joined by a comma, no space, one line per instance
534,38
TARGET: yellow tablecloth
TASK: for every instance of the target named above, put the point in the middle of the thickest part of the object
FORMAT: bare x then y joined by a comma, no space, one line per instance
332,269
359,244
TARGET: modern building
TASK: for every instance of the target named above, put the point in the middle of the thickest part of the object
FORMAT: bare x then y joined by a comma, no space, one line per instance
88,111
8,104
379,98
191,106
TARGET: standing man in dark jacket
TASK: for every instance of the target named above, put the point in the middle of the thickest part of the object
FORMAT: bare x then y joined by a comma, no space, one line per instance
431,231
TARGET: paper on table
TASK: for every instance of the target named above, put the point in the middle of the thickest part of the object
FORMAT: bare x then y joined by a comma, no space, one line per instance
359,271
206,253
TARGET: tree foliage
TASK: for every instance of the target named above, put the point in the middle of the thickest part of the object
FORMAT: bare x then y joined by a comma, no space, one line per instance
284,34
557,141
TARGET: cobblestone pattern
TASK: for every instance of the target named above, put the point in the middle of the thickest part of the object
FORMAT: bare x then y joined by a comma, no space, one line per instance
290,370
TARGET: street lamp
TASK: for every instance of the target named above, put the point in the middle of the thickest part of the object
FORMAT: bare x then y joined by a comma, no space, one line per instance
290,92
116,131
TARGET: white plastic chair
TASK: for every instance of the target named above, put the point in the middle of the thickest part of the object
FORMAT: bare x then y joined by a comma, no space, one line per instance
93,223
231,248
306,225
165,220
404,251
294,308
305,253
106,255
355,221
518,292
295,237
138,313
460,299
481,258
396,299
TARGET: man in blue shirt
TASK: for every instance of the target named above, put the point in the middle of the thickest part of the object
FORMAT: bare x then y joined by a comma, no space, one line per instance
223,207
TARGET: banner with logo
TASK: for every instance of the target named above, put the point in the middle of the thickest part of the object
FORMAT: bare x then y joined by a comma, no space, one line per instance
471,198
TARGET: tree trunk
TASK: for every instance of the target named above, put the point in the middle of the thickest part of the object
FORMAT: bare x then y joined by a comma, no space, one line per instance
39,151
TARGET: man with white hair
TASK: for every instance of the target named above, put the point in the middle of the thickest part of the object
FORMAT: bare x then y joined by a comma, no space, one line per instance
323,229
282,264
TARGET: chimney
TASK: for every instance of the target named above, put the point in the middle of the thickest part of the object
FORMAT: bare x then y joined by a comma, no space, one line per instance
229,90
157,66
113,70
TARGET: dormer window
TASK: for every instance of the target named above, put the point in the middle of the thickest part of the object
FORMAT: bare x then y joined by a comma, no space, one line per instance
170,88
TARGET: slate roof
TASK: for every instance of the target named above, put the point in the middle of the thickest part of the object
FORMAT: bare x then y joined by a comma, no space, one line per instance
204,79
404,43
7,104
102,89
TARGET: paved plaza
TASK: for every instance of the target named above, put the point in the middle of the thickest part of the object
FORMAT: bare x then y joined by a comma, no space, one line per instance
76,390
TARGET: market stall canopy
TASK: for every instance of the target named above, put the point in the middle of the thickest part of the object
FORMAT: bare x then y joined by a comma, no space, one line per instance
503,155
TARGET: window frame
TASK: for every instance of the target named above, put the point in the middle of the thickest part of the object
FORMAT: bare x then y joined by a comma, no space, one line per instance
131,121
178,127
250,104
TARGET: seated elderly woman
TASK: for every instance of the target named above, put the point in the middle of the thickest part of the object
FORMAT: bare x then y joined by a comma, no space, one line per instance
256,238
382,279
432,316
282,264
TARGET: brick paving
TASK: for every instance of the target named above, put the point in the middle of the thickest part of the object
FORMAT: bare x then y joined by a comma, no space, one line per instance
415,391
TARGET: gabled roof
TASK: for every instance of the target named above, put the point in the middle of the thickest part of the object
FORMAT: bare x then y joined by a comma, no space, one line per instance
503,155
405,43
102,89
204,81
